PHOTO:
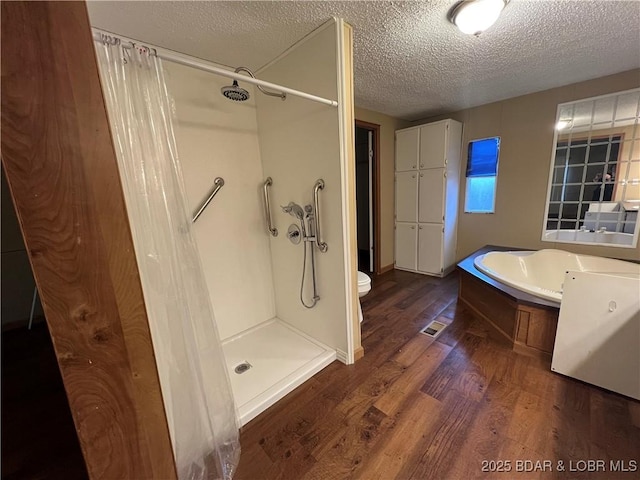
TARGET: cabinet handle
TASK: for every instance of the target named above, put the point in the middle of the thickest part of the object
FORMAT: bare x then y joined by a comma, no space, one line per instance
422,165
413,176
413,227
422,174
420,227
413,166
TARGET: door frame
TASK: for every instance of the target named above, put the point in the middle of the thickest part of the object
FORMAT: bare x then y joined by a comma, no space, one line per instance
375,128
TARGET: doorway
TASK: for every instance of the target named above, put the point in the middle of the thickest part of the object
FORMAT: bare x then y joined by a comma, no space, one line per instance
367,146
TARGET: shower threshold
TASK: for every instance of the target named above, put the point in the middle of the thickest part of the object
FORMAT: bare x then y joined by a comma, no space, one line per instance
274,358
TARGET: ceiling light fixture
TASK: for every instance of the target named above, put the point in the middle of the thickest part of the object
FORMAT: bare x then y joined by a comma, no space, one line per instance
475,16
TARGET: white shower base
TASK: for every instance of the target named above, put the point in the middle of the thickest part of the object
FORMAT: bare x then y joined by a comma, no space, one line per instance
281,359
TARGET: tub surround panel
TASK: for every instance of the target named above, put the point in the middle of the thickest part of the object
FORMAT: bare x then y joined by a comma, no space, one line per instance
535,328
492,305
300,143
524,322
217,137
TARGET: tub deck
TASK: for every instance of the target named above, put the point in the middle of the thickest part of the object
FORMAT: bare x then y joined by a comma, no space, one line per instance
525,322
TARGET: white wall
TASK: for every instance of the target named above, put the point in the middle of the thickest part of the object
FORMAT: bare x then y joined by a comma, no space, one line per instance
217,137
299,143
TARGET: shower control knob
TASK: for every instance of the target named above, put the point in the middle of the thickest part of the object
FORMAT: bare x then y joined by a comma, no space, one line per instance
293,234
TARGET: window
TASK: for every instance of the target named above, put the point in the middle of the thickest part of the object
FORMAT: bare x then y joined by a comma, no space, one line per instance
482,172
593,194
584,172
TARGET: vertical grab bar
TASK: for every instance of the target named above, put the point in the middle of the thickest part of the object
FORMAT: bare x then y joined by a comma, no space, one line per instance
267,206
316,213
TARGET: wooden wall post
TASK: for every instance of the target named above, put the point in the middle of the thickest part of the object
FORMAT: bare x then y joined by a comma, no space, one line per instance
61,168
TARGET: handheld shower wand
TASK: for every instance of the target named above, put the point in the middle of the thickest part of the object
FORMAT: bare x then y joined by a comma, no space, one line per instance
296,211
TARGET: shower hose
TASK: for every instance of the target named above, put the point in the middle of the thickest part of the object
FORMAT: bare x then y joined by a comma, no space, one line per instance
313,276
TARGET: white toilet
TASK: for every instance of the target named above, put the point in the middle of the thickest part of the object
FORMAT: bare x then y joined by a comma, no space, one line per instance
364,285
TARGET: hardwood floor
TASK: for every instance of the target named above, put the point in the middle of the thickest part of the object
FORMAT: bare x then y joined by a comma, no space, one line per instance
415,408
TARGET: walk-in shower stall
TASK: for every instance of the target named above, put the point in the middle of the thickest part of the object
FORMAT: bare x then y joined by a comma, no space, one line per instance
269,181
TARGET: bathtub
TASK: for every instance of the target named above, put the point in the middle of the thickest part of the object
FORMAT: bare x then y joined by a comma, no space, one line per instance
541,273
585,236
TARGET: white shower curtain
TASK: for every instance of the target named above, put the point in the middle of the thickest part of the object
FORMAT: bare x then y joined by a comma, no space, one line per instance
195,384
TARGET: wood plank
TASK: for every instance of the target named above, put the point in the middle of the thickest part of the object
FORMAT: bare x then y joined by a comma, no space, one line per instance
62,172
487,433
351,410
405,443
448,374
351,445
453,425
412,378
379,425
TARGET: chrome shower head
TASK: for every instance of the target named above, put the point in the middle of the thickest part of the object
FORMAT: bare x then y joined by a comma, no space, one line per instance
235,92
294,210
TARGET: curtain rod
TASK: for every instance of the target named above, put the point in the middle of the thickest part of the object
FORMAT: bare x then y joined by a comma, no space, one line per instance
182,59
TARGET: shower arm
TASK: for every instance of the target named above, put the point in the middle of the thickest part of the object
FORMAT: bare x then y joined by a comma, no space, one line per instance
282,95
322,246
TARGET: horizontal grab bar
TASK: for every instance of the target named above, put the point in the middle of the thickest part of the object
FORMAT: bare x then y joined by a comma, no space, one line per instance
267,206
316,213
218,183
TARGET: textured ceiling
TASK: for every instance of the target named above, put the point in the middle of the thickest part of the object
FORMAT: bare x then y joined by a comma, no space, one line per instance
410,62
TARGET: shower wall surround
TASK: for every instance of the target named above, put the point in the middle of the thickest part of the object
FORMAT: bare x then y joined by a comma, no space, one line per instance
300,142
219,138
251,276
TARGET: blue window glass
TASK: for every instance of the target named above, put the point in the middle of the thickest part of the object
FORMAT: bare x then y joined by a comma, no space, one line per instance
482,172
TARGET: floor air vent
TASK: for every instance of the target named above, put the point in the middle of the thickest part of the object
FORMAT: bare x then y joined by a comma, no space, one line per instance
433,329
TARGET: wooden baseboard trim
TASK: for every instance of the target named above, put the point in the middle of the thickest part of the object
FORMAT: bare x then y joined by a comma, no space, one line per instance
358,354
386,269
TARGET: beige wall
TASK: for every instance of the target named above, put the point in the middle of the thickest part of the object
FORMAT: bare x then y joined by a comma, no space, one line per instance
388,127
526,127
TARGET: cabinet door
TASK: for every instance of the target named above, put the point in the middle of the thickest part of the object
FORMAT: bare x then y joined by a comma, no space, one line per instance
406,245
407,149
430,243
433,142
431,194
407,196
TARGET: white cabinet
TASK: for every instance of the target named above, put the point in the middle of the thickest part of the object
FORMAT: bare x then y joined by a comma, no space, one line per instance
433,152
430,245
407,149
407,196
427,186
406,246
431,195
